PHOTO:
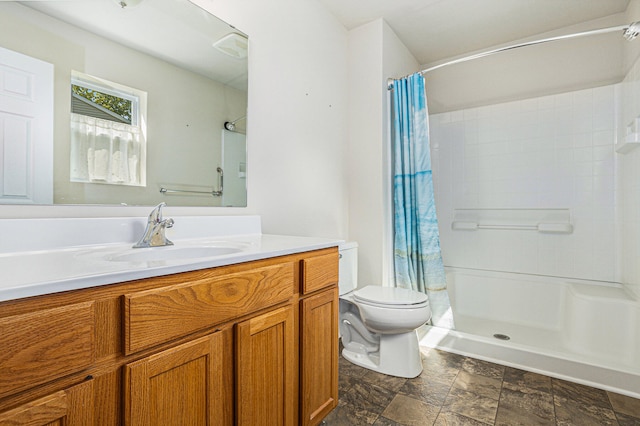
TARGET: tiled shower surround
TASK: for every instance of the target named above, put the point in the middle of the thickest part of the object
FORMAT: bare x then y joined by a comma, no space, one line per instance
628,186
547,152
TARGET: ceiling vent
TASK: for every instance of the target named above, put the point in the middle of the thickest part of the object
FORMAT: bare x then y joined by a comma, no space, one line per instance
233,44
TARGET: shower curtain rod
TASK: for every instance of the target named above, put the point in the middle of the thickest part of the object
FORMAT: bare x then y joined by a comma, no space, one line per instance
630,32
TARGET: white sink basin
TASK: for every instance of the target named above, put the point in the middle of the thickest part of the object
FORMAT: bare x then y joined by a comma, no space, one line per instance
171,253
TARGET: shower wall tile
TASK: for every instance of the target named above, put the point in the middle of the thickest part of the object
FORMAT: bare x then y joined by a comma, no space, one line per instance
470,114
548,152
457,116
628,186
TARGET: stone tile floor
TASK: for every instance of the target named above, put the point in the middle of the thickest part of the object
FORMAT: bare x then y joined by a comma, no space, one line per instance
458,390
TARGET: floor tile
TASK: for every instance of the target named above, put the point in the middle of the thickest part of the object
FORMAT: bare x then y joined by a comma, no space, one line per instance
441,365
580,393
479,385
471,405
347,368
483,368
427,388
388,382
433,358
385,422
525,408
454,419
409,411
368,396
344,384
516,379
458,390
625,420
445,374
348,415
575,413
625,404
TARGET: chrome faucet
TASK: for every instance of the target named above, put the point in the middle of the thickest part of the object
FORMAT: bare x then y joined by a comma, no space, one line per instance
156,225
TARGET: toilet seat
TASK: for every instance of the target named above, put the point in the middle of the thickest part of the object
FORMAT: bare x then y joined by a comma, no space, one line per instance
390,297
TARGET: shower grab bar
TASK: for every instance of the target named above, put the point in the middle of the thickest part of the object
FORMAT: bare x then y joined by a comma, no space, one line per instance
213,193
545,228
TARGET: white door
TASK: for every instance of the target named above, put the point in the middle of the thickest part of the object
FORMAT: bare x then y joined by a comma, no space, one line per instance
234,166
26,129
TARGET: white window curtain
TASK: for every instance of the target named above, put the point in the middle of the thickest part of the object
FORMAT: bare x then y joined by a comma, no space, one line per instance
105,151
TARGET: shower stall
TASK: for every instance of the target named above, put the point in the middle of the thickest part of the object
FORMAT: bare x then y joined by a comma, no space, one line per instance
538,206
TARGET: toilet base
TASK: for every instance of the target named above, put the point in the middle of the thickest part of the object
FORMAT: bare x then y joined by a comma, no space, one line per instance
399,355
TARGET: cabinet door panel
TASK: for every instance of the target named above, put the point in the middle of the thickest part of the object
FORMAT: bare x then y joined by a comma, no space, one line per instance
266,365
189,384
319,359
71,407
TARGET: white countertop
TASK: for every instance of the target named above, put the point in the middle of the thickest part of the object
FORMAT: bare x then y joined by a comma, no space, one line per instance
51,268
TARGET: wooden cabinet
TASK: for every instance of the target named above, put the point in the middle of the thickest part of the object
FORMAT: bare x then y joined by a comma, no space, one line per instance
318,356
70,407
318,337
266,381
162,314
45,344
253,343
190,384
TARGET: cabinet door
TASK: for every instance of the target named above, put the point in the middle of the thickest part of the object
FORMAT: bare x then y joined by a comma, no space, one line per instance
266,380
70,407
191,384
319,356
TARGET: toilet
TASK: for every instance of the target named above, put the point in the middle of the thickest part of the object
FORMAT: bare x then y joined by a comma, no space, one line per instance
378,324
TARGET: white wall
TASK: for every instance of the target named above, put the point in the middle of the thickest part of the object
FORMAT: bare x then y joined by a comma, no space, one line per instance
365,146
297,118
375,53
297,122
546,152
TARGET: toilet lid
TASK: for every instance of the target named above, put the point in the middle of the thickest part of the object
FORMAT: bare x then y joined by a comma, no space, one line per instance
389,295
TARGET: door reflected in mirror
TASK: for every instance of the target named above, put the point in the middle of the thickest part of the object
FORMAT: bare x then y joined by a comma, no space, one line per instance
185,67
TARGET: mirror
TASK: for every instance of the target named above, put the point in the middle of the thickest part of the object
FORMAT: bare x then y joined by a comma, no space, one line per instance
181,74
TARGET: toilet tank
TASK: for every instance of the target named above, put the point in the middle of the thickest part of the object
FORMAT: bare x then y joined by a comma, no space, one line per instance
348,267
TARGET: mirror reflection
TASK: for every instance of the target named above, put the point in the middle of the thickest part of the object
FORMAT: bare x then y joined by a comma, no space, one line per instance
105,102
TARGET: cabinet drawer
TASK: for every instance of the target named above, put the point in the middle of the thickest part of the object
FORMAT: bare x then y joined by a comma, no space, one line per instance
70,407
44,345
160,315
319,272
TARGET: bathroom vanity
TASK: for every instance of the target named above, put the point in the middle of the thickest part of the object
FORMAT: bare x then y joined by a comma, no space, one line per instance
250,340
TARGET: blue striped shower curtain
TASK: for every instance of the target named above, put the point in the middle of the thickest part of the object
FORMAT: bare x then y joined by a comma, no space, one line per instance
417,257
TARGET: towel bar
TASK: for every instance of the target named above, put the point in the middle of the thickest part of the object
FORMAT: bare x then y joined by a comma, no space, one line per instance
213,193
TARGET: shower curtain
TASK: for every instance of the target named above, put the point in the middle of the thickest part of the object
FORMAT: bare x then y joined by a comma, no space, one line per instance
417,257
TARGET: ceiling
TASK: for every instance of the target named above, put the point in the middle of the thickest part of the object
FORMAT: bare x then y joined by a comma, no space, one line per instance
433,30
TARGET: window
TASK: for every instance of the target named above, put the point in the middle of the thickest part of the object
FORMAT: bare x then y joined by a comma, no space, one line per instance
107,135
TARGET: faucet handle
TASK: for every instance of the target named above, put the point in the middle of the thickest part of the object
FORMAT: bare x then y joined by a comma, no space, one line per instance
156,214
